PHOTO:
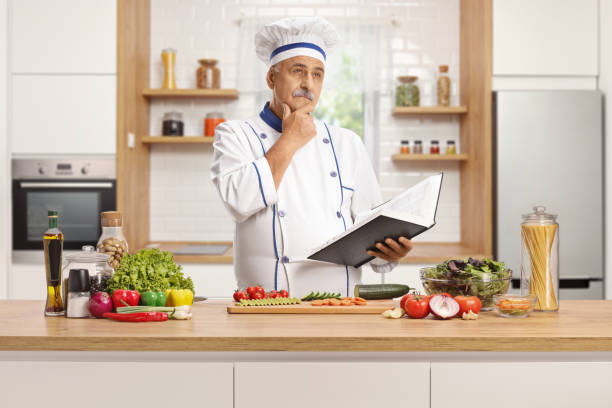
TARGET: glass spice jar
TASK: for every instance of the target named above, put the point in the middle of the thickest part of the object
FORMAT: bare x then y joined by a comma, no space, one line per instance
451,148
443,86
208,74
434,147
169,58
404,147
418,147
407,91
212,120
172,124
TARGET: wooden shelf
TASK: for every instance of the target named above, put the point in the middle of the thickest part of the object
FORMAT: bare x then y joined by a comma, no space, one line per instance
191,93
177,139
429,110
429,157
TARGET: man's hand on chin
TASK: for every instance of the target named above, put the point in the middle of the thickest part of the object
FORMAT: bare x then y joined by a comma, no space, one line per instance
391,250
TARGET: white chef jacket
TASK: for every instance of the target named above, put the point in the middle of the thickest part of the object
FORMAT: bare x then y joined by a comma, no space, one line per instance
328,182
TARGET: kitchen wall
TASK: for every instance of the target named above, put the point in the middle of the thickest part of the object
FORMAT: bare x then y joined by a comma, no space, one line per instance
4,155
605,85
184,203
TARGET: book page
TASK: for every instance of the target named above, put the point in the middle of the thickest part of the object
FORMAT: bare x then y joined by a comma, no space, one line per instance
420,200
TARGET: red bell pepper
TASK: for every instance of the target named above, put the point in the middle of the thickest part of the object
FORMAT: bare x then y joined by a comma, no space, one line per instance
130,297
138,317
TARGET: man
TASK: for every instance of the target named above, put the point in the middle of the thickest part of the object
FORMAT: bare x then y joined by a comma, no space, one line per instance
291,182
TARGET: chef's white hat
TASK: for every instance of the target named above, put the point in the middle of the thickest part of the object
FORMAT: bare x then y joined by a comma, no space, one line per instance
290,37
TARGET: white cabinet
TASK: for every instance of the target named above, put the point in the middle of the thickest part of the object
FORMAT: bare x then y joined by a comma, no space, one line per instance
98,384
322,384
63,36
67,114
485,385
545,37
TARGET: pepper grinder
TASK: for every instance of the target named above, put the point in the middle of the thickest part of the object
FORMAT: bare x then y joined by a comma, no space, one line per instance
78,293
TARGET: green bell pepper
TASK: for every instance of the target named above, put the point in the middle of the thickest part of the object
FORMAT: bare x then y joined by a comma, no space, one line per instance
153,299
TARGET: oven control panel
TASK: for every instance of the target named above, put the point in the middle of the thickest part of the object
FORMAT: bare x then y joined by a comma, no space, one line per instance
32,168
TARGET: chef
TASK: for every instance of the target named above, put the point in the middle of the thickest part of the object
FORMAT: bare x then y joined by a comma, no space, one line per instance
292,182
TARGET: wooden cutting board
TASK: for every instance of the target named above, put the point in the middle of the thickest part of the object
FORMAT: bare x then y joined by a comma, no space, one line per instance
373,307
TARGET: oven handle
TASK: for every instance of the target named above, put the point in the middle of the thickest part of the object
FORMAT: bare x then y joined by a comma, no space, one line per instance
29,184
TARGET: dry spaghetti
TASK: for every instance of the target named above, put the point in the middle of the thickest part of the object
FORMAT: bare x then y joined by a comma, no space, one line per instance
538,241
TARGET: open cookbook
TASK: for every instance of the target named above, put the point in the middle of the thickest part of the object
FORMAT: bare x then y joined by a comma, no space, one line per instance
407,215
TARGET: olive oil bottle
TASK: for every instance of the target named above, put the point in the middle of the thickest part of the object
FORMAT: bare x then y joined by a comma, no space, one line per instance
53,242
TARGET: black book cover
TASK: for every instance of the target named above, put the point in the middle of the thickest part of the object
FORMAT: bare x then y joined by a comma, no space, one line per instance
351,249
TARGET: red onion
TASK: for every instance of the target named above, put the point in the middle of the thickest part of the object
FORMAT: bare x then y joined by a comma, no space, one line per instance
100,303
443,306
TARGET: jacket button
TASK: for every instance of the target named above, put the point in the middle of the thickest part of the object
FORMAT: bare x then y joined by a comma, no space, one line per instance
326,140
285,259
338,214
263,136
333,174
281,213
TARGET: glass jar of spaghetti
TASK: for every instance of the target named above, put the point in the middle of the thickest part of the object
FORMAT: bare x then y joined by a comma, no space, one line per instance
540,258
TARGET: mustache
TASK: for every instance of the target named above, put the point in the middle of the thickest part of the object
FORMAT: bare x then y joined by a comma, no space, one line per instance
303,92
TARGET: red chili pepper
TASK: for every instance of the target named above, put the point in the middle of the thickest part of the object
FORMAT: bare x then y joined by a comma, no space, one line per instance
138,317
130,297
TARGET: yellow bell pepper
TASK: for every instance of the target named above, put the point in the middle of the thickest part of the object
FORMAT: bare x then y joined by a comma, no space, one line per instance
179,297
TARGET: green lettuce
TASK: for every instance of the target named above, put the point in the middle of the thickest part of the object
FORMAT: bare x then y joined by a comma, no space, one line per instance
149,270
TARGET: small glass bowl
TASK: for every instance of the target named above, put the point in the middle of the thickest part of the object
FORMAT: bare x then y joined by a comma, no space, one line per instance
514,306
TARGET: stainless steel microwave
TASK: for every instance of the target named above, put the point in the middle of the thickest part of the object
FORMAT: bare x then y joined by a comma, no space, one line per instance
80,189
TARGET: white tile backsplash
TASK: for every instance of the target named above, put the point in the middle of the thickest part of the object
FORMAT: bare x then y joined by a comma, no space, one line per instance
184,203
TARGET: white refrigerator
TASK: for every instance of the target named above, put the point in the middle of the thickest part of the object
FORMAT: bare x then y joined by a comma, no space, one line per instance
548,150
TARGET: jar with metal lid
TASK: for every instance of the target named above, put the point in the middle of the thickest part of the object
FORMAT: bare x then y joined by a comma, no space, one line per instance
94,262
540,258
212,120
172,124
434,147
451,148
407,91
418,147
404,147
112,241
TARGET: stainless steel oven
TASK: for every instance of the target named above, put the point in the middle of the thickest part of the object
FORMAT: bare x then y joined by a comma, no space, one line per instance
80,189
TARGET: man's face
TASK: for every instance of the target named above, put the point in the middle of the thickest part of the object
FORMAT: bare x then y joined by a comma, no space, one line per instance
297,81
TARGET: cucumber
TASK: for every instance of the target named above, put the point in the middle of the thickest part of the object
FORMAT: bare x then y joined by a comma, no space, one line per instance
381,291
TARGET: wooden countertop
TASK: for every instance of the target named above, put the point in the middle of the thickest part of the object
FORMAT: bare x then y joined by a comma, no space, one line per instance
422,253
578,326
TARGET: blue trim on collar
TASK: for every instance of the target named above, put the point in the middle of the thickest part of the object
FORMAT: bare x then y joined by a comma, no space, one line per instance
270,118
298,45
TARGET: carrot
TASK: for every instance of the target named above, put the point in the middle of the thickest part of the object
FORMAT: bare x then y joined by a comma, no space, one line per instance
317,303
325,302
334,302
360,303
346,298
358,299
346,302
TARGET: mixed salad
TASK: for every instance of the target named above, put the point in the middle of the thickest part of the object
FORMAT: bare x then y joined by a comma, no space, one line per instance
468,277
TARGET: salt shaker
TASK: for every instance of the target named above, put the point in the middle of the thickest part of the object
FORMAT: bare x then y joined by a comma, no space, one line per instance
78,293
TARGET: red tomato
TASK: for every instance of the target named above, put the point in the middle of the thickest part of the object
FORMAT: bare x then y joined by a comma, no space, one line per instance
240,295
257,295
273,294
467,303
417,306
251,291
404,298
260,289
283,293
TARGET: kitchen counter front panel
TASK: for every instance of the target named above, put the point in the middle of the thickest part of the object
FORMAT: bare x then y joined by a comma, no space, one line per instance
578,326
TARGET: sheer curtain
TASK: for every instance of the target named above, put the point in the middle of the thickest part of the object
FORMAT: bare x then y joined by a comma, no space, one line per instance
353,80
